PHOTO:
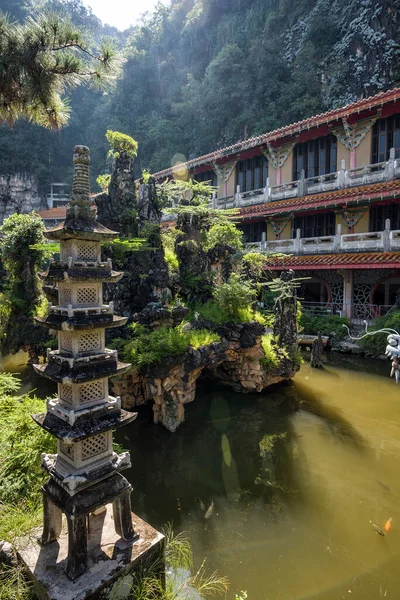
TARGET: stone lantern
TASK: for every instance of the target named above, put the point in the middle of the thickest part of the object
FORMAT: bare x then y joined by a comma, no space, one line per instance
84,474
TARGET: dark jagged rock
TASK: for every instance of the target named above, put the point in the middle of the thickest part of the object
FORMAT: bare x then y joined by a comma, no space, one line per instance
146,277
317,352
155,314
220,262
148,209
118,208
235,361
285,325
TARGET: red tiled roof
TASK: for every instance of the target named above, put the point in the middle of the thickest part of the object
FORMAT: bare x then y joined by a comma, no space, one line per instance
294,128
58,212
357,195
364,260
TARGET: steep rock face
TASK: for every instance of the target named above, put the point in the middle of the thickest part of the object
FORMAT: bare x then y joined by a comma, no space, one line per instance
19,194
117,210
146,276
234,361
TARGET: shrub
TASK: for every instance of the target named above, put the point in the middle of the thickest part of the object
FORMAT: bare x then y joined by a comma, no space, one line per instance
325,324
103,181
224,233
235,296
271,359
376,344
121,143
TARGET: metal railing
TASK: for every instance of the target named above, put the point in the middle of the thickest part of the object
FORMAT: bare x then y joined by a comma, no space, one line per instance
357,312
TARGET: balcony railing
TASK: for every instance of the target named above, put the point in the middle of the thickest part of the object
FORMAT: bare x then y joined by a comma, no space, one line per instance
386,240
342,179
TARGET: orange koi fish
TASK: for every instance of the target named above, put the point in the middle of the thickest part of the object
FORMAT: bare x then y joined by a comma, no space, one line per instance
388,524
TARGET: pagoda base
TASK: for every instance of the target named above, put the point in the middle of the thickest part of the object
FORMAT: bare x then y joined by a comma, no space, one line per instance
112,562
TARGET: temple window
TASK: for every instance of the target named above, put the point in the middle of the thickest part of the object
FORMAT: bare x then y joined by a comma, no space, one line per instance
316,157
379,214
385,135
252,173
315,225
252,232
208,176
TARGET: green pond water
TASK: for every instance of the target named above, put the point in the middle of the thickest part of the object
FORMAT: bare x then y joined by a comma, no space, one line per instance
295,476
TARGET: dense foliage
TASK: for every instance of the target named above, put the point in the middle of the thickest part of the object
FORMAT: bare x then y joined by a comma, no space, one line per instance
20,470
200,74
324,324
376,344
22,251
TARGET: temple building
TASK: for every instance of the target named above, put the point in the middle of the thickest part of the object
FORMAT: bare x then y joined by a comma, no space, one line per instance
325,192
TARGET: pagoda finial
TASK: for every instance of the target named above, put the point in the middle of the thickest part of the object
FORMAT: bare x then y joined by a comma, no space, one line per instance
81,208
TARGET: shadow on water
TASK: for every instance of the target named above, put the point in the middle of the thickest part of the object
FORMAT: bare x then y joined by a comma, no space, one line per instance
318,404
358,364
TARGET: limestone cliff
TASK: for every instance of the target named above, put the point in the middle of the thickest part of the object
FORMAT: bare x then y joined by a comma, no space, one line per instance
19,194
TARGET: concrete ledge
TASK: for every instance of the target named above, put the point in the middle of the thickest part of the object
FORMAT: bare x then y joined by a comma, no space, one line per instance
110,559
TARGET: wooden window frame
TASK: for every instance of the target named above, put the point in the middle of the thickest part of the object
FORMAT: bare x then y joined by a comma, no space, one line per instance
317,157
385,135
252,173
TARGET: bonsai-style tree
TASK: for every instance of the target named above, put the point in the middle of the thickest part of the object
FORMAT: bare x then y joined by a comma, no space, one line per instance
41,60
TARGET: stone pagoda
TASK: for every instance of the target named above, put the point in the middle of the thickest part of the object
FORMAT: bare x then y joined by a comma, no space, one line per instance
84,474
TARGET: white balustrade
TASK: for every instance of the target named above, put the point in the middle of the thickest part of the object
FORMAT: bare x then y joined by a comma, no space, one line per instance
286,246
362,241
394,240
316,245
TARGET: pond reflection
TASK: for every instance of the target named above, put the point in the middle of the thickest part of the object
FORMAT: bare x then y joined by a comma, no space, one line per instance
289,480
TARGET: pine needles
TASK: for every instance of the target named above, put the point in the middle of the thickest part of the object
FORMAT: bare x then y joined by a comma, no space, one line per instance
42,60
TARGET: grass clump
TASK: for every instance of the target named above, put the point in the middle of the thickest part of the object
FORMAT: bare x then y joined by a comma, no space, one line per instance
148,348
202,337
214,312
183,581
271,360
21,445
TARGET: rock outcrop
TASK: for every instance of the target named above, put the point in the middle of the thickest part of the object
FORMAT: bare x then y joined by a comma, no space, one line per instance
19,194
235,361
146,276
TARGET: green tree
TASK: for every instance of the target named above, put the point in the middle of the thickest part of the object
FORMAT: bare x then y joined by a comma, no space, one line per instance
41,60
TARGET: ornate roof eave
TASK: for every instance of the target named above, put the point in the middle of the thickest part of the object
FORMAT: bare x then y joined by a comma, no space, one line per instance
364,260
339,198
82,429
76,274
87,371
81,321
95,232
331,116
